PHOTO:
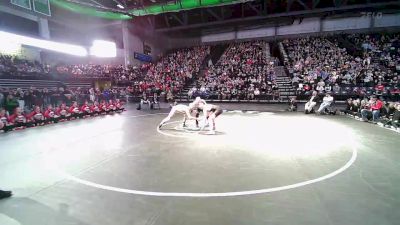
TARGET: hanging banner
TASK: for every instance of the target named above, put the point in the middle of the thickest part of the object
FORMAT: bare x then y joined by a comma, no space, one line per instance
22,3
143,57
42,7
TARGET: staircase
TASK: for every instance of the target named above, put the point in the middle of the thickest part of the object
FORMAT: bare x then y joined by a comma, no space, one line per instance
216,52
351,48
284,82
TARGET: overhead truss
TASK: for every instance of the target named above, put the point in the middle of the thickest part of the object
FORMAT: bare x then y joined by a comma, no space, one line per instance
264,9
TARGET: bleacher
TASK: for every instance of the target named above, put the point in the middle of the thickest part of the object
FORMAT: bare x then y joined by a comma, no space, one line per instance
40,84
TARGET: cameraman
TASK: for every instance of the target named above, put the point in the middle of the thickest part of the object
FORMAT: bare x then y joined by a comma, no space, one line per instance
292,104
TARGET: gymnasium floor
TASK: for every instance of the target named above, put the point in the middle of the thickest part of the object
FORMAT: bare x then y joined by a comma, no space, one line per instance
263,166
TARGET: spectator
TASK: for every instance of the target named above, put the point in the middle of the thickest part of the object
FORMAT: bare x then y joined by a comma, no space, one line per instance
11,103
372,109
243,68
309,107
393,122
326,103
292,104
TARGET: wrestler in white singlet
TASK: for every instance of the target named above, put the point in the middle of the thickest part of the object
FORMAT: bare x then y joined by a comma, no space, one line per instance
184,109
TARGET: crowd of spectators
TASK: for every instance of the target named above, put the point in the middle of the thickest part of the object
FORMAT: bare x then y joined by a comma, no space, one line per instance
33,107
318,66
117,73
18,66
169,74
383,48
376,110
316,63
244,72
175,69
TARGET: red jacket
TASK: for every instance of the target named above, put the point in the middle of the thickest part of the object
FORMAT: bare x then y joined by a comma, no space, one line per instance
377,106
72,109
103,107
4,118
94,108
85,108
49,114
380,87
119,105
59,111
111,106
31,115
15,118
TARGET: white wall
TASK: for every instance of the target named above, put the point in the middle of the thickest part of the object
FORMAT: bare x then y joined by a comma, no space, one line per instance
30,53
218,37
256,33
309,26
54,58
387,20
353,23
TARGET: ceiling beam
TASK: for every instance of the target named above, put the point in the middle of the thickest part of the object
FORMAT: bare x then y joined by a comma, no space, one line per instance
174,15
212,13
96,2
289,5
286,14
252,7
100,7
315,3
166,20
303,4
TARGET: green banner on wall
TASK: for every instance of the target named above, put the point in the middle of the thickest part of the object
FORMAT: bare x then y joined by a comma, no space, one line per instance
22,3
42,6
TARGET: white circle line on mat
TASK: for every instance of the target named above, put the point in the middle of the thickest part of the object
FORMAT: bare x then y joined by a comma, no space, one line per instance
171,135
212,194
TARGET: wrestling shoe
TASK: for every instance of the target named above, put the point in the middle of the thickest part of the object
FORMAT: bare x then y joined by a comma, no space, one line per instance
211,132
5,194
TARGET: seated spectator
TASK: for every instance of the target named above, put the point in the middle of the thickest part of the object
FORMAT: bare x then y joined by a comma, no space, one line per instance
372,110
111,106
75,111
144,100
326,103
85,109
349,106
62,112
257,93
336,88
17,119
36,117
50,115
310,105
393,121
103,107
292,104
4,121
120,105
155,101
